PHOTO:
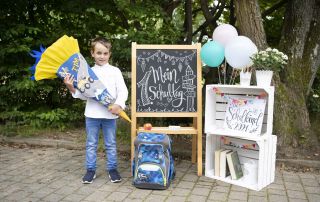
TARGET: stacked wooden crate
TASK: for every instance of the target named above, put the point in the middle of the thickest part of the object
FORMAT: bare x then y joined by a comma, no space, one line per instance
261,157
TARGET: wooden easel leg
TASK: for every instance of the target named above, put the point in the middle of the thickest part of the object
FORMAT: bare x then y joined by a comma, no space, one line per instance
199,156
194,149
133,137
199,146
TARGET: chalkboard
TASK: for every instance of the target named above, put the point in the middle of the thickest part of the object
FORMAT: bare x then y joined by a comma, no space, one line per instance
166,80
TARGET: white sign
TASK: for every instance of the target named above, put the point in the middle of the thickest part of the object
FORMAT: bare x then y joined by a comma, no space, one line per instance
245,115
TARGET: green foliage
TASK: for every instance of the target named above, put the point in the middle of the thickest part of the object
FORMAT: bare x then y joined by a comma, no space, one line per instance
272,23
43,118
24,25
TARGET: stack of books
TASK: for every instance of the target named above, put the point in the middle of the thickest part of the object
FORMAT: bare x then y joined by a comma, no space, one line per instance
227,163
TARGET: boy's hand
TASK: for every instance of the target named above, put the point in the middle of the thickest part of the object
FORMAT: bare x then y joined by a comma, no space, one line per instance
115,109
68,81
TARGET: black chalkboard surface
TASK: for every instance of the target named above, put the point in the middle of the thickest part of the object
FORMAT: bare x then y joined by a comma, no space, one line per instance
166,80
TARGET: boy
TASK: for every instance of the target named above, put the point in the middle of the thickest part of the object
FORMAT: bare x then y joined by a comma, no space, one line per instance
97,115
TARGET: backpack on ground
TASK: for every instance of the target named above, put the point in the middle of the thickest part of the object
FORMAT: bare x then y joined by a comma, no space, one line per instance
152,165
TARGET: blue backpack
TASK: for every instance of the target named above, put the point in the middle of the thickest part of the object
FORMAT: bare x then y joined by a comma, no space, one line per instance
152,165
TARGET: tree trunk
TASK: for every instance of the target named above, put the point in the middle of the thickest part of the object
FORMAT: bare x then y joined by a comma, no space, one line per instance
300,40
188,21
250,22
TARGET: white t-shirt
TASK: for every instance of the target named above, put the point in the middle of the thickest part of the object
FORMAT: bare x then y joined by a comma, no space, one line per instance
112,79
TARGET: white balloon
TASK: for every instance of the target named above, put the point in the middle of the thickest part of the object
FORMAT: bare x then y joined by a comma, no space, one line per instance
238,52
224,33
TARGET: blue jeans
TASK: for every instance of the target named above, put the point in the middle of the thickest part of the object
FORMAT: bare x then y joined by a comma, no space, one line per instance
108,127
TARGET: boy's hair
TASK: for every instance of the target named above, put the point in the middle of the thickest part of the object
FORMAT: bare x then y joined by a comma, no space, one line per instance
101,40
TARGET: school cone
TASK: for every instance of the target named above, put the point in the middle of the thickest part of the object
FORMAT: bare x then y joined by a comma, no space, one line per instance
122,114
63,58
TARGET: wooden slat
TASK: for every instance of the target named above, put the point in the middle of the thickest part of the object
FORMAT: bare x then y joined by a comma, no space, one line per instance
133,98
167,130
166,114
221,106
199,111
164,46
237,89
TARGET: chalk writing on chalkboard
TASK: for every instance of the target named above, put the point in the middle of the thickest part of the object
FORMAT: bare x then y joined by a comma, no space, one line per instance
166,80
245,116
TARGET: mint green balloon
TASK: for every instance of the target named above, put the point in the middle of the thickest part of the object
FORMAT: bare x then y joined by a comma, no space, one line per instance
212,53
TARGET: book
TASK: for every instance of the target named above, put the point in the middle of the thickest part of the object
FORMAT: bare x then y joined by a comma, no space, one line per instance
217,162
234,165
224,168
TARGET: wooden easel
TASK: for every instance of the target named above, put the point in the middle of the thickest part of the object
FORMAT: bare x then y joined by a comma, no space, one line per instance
158,55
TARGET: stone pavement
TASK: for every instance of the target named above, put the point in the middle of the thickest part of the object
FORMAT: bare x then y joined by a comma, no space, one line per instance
51,174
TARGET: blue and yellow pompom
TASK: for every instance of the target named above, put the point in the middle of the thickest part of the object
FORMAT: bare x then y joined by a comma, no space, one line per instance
49,60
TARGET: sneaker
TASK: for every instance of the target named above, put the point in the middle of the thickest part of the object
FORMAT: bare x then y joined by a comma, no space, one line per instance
89,177
114,176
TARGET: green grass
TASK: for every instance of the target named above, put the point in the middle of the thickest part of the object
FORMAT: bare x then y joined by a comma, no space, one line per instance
11,130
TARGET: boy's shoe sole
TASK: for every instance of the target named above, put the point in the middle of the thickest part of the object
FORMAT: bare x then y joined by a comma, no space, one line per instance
114,181
89,182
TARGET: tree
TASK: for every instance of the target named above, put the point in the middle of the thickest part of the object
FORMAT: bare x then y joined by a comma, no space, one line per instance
300,40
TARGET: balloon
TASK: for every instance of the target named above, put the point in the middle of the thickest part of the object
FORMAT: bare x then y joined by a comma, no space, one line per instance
224,33
238,52
212,53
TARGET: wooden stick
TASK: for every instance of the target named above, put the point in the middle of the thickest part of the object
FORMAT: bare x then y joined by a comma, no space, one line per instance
235,75
231,76
225,71
219,74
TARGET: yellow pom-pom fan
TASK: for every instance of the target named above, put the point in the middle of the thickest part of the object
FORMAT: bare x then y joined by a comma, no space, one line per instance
53,57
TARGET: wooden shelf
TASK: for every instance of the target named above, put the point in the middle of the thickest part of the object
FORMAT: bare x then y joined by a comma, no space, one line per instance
224,132
167,130
240,182
166,114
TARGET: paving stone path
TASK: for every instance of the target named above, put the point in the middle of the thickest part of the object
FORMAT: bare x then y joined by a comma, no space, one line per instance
50,174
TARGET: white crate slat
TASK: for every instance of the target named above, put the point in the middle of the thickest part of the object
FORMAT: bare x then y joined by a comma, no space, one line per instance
265,175
273,157
269,158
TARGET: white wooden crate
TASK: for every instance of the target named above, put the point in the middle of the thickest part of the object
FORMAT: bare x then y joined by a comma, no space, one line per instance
215,107
263,156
